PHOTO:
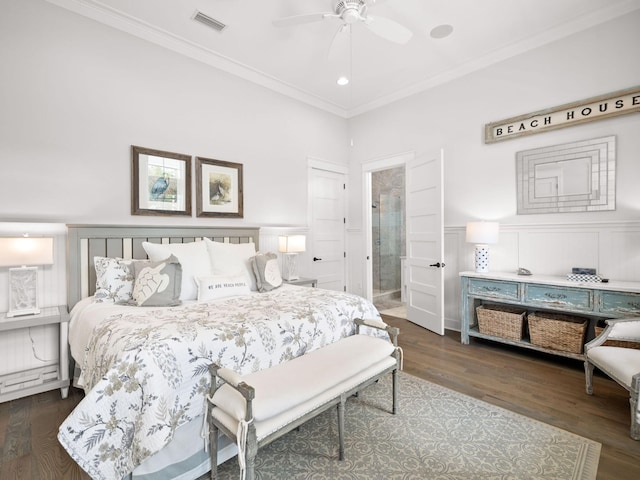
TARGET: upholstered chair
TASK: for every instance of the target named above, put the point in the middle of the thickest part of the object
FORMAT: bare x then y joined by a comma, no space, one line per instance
622,364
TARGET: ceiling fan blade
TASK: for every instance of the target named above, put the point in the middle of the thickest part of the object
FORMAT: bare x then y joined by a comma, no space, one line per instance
340,43
388,29
301,19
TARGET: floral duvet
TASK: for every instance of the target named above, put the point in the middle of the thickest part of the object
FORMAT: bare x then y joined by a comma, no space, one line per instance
146,373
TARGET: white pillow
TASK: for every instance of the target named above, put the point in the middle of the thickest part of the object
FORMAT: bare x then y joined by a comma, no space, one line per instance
220,286
193,257
231,259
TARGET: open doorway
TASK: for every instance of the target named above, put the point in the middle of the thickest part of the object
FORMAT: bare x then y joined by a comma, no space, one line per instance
388,240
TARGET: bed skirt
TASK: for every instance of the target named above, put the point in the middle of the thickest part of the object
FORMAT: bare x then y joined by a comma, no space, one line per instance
184,458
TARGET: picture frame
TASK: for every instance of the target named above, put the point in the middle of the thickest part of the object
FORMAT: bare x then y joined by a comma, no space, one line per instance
160,182
219,191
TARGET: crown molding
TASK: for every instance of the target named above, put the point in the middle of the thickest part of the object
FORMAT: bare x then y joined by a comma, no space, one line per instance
106,15
567,29
99,12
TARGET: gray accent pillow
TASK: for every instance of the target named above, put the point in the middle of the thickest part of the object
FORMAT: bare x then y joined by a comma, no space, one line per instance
157,284
267,271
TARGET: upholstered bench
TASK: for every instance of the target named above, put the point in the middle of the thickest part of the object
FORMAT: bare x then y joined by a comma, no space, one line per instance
255,409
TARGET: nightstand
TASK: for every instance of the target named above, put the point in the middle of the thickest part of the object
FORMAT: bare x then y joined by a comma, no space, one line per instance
303,281
40,379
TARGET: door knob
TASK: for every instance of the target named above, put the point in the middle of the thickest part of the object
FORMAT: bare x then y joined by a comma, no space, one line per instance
438,265
315,259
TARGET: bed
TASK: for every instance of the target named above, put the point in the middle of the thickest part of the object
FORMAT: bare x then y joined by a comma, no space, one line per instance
144,368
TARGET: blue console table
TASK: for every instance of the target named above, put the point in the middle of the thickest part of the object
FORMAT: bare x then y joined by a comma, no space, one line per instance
538,292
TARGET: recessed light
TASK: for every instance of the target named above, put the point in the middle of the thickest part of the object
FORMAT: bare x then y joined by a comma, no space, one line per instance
342,81
441,31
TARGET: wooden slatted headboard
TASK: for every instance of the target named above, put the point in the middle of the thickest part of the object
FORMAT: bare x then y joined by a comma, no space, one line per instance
125,241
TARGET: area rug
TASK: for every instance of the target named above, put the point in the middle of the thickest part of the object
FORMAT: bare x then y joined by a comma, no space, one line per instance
438,434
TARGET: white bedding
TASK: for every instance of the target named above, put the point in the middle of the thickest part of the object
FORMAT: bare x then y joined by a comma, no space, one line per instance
144,370
83,319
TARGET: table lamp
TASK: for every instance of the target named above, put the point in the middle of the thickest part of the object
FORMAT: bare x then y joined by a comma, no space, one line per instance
482,234
291,245
23,281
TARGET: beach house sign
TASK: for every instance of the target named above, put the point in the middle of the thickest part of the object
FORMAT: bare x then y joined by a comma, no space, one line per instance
595,108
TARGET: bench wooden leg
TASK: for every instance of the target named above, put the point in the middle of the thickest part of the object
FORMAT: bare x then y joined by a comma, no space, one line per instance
634,398
341,426
588,376
251,452
213,445
395,391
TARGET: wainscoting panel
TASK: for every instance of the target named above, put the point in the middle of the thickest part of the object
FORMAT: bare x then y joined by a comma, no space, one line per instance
555,253
613,249
455,260
620,257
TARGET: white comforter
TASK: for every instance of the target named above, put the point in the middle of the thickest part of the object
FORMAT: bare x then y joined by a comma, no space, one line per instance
145,370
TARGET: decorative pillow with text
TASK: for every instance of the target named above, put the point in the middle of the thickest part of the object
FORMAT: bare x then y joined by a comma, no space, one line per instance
220,286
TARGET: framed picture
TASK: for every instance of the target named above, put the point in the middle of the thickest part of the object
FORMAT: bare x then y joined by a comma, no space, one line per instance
218,188
160,182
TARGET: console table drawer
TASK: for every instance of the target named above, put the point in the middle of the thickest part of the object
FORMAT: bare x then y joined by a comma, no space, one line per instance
574,299
493,289
621,303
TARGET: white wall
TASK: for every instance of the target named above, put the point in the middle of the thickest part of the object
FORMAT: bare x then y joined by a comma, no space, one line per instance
77,94
479,179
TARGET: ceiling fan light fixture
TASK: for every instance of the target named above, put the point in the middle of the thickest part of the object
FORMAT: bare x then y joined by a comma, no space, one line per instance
351,11
342,81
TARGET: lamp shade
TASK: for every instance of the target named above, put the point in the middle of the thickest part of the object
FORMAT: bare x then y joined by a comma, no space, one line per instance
482,233
16,251
291,243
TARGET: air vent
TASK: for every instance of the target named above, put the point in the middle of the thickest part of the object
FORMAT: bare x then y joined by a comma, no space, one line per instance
208,21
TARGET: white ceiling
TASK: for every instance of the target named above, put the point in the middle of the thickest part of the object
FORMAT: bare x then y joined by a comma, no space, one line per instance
293,60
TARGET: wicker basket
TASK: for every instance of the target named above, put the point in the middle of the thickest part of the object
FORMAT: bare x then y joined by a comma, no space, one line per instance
616,343
557,331
501,321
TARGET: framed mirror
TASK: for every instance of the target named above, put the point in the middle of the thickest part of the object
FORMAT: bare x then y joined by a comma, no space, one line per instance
573,177
160,182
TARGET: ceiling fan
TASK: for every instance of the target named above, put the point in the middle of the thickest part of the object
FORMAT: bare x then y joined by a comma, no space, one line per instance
350,12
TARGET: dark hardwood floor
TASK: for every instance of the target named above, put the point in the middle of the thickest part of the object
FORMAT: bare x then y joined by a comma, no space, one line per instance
546,388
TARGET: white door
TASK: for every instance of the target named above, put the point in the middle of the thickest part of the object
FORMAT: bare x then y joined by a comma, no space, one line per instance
327,250
425,242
